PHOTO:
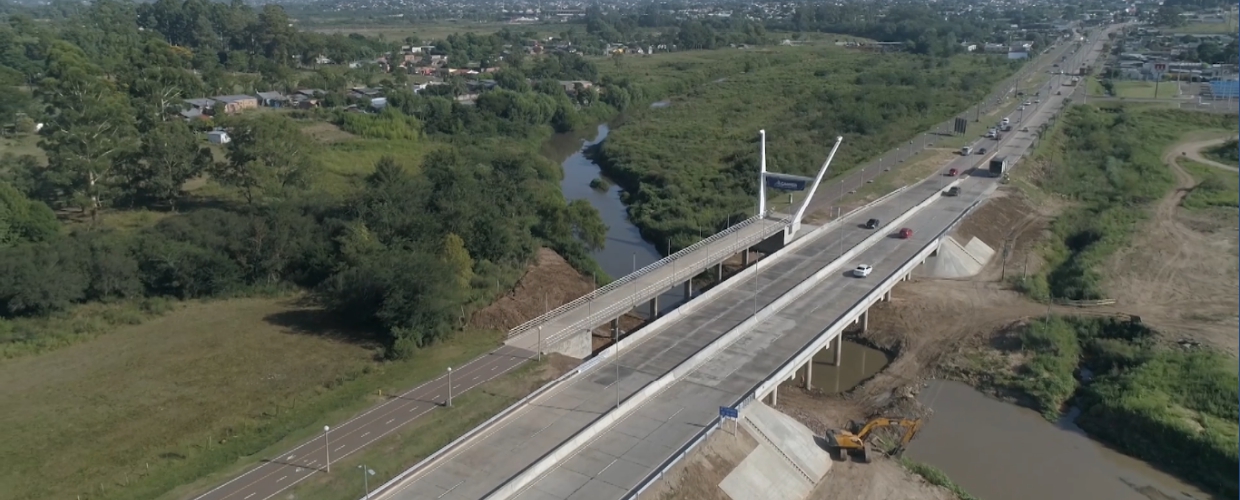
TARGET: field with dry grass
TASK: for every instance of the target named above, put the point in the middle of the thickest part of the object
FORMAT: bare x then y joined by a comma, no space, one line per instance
148,407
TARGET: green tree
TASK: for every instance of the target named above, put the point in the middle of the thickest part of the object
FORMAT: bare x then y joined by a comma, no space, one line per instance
170,156
268,156
456,257
89,128
22,219
587,225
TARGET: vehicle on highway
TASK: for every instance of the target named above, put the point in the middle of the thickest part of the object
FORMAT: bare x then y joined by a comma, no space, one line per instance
1025,129
966,151
871,224
953,191
862,271
981,151
953,172
905,233
1027,103
1058,92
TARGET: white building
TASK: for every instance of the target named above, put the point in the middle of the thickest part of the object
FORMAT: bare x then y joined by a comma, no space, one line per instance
218,137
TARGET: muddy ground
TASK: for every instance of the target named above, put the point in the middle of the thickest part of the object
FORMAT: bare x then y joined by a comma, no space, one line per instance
1179,276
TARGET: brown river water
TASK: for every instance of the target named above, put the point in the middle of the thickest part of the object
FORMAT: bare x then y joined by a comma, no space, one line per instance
999,451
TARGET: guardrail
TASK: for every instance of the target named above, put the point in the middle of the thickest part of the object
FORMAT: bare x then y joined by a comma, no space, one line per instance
464,439
752,395
617,284
531,473
1085,303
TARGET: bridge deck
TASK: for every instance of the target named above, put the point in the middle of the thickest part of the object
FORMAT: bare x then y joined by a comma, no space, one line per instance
473,472
647,284
625,454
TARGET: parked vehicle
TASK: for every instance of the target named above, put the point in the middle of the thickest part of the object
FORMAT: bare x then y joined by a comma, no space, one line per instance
862,270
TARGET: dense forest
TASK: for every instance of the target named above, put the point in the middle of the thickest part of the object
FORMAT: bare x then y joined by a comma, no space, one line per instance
409,245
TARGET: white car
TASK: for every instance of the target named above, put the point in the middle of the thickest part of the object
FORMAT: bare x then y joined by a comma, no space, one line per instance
862,271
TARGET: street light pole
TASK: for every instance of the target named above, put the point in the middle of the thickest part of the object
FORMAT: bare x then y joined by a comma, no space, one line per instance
366,473
449,387
327,446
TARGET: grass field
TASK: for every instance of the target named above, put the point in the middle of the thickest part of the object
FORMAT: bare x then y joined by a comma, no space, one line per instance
419,439
27,144
1079,161
208,388
1146,90
1216,187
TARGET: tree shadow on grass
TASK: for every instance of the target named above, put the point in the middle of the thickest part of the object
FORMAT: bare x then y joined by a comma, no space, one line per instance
308,318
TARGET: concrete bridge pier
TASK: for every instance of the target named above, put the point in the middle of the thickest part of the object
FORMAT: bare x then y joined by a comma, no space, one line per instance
719,273
654,307
809,373
839,349
615,328
688,289
865,321
744,258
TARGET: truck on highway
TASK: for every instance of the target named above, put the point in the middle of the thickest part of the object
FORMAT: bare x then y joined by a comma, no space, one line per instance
998,166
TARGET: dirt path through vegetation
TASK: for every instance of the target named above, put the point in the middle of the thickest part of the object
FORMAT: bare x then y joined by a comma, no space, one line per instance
1192,151
1180,271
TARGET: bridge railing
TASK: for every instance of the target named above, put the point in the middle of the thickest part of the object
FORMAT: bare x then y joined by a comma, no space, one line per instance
752,395
629,279
635,299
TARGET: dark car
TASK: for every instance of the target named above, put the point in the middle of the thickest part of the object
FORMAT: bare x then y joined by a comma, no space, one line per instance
981,151
953,191
871,224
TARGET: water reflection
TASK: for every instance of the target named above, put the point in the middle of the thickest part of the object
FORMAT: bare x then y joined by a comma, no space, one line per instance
857,363
624,248
998,450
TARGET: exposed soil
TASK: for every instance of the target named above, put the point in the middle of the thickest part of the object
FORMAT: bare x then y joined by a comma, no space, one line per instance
1180,273
549,282
1193,152
698,476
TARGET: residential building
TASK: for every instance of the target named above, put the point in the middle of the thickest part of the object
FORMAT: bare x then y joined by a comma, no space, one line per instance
233,104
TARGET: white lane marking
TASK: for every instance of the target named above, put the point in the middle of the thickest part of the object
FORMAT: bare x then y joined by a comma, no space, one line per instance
366,434
389,422
493,368
338,448
281,478
247,497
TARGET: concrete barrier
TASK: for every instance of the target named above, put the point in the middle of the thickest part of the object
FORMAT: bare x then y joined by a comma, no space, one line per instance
465,440
692,305
429,462
807,353
569,448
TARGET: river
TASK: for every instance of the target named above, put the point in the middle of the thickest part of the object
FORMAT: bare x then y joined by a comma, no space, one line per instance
624,250
995,450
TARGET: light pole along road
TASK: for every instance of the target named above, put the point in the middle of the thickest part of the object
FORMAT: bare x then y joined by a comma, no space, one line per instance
277,474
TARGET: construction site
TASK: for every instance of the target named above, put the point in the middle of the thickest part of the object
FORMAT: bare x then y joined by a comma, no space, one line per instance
959,307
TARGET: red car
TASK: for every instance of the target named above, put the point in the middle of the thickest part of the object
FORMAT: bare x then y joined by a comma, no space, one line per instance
906,233
953,172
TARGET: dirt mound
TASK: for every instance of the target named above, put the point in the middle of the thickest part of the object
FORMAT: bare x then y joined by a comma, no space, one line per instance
548,283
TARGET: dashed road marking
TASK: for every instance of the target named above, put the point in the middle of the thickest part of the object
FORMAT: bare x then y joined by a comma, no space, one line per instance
366,434
389,422
281,478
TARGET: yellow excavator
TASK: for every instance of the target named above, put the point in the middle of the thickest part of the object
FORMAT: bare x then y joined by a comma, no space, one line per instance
854,439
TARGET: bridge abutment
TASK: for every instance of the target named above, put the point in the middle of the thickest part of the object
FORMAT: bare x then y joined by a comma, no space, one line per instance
578,345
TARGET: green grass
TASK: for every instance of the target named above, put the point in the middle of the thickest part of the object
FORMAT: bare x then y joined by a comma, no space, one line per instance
688,166
1080,161
1223,28
419,439
1177,409
1145,90
187,400
25,144
1216,187
936,477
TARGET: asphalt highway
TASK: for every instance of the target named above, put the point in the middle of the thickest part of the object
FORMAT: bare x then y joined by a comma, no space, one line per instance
277,474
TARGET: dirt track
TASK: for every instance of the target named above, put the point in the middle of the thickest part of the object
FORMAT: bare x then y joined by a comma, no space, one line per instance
1180,271
1193,150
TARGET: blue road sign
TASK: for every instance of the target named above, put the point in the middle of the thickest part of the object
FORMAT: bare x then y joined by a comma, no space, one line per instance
726,412
787,182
